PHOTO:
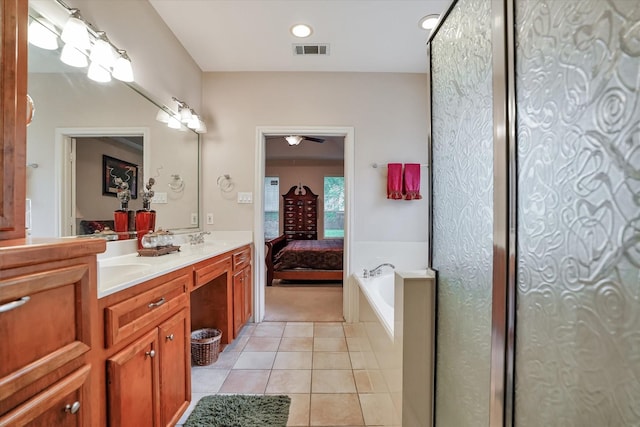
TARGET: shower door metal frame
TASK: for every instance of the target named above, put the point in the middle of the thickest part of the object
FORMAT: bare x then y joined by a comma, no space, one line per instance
503,305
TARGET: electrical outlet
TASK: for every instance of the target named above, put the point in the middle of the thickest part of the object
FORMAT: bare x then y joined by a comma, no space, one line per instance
209,218
194,219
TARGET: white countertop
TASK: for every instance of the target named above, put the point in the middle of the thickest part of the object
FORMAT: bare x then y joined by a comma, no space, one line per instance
116,273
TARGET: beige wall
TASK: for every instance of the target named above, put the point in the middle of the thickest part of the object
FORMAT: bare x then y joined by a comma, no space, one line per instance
309,173
387,112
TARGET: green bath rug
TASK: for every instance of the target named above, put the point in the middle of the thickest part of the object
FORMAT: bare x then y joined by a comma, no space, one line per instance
237,410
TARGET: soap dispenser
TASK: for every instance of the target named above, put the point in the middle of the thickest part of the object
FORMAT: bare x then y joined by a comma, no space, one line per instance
145,217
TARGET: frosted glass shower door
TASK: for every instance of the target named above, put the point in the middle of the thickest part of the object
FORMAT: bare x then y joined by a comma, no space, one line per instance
462,238
578,312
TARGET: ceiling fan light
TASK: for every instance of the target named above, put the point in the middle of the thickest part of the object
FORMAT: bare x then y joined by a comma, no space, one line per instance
293,139
42,36
75,32
73,57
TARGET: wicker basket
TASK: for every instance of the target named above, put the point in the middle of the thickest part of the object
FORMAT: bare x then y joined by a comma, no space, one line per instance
205,346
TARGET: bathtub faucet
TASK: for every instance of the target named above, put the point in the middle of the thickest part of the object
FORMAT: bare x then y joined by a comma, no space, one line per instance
376,271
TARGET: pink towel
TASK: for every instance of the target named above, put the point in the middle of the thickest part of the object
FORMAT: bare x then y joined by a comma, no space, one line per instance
411,188
394,181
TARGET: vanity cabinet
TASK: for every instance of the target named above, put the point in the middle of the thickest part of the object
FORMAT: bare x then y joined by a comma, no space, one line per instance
222,294
148,352
13,105
242,290
48,297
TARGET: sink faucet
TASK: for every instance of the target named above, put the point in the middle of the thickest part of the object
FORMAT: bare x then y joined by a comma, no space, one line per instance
376,271
195,239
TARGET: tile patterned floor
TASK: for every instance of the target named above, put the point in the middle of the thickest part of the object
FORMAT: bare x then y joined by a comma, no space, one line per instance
318,364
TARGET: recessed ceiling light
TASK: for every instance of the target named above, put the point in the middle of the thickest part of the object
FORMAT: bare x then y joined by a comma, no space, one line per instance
301,30
428,22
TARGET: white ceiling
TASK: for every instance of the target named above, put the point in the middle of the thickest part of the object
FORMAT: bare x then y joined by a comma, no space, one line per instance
253,35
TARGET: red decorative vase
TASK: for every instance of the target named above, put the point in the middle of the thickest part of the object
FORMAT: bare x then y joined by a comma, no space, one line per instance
145,222
121,223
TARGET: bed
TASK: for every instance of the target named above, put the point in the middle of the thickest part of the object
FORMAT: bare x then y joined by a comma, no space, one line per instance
304,259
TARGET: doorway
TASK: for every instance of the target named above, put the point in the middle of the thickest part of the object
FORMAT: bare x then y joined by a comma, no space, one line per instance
262,133
65,170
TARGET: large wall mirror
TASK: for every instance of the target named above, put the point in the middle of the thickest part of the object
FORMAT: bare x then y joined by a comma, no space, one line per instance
80,124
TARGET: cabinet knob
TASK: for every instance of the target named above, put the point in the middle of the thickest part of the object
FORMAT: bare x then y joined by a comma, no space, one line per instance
151,353
72,408
170,337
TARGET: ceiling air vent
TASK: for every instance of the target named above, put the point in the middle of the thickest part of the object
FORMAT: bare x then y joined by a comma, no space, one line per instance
310,49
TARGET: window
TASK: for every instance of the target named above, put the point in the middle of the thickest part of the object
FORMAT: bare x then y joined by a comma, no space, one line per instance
271,207
333,207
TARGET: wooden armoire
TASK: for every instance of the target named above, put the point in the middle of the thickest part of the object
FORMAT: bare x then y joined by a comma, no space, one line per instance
300,214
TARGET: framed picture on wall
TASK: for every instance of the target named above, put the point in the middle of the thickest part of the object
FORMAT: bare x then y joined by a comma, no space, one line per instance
113,168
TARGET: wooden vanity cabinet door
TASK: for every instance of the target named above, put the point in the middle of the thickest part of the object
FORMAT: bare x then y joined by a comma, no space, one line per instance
132,384
238,301
175,363
64,404
13,109
248,294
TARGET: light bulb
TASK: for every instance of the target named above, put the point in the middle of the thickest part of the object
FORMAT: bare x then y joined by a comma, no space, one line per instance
194,122
42,36
73,57
185,115
75,32
122,69
98,74
174,122
102,53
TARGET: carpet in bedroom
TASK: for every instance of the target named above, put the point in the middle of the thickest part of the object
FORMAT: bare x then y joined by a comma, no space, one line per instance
295,302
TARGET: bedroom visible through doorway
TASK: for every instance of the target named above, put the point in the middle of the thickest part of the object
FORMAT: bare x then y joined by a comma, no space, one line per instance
304,205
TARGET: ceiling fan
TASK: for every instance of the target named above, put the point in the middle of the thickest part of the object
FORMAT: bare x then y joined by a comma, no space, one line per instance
297,139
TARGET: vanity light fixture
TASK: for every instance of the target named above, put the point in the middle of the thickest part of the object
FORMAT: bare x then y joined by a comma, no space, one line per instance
122,69
73,57
429,22
83,44
75,31
98,73
102,53
301,30
174,122
189,117
42,36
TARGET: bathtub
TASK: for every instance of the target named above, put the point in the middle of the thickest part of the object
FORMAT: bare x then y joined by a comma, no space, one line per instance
379,292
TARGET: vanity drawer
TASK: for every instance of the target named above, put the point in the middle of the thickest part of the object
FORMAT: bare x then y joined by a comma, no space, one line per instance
132,315
44,323
241,258
211,270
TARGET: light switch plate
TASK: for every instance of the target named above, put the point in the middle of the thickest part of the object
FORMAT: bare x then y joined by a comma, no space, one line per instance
245,197
159,198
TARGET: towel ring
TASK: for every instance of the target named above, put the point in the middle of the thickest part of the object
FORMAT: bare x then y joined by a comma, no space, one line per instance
176,184
224,183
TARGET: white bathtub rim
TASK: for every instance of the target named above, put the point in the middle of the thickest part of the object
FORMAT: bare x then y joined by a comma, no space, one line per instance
386,320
